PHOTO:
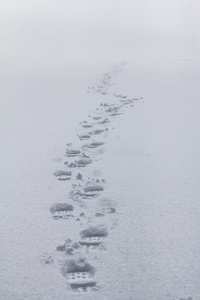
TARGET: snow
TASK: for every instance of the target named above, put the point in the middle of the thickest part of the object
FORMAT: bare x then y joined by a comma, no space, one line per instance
125,223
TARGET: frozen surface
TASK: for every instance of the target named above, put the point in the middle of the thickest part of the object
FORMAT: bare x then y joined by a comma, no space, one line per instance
149,202
99,165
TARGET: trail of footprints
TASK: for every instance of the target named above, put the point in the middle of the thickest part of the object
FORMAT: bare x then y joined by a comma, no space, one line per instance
79,274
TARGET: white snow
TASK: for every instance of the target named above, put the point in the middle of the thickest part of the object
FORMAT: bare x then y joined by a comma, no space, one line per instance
146,163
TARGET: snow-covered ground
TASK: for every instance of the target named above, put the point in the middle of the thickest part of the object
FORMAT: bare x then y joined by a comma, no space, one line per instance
150,165
132,229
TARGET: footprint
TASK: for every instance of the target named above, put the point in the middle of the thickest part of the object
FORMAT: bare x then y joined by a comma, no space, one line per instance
93,235
86,126
105,104
72,153
83,162
111,109
93,188
105,121
61,211
63,175
79,275
90,191
97,118
98,131
95,144
120,96
115,114
126,101
84,137
80,163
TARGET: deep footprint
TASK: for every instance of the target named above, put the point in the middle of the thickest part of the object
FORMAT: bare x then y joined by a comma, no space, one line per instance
90,191
98,131
97,118
86,126
95,144
62,211
72,153
63,175
83,162
93,235
84,137
105,121
79,274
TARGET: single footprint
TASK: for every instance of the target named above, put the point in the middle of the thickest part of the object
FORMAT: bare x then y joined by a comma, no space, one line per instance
62,211
84,137
79,275
90,191
120,96
98,131
86,125
105,121
111,109
95,144
115,114
83,162
105,104
93,235
72,153
97,118
63,175
125,102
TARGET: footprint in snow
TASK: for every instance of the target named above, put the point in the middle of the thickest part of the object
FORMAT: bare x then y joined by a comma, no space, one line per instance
81,163
62,211
97,118
79,275
72,153
125,102
97,131
120,96
86,126
90,191
63,175
93,235
95,144
105,104
84,137
115,114
105,121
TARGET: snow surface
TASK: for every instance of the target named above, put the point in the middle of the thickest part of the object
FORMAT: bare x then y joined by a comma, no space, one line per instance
131,229
150,201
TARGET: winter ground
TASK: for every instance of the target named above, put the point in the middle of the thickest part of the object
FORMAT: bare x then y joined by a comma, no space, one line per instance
150,203
123,222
